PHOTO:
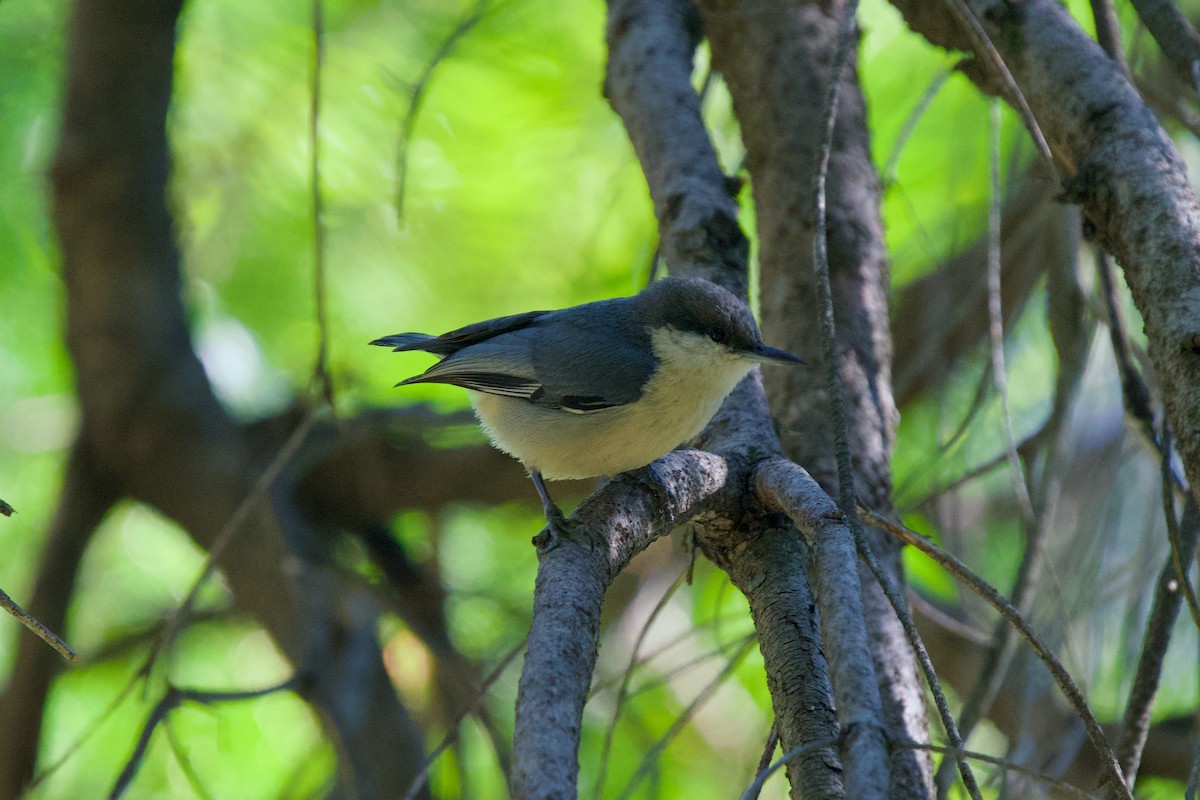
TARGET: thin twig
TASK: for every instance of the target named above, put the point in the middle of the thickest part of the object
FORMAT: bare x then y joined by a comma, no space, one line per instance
418,782
174,698
1175,36
417,96
755,788
1169,590
1193,784
37,627
1002,648
1183,550
996,325
764,762
82,739
185,763
1012,766
984,49
655,750
985,590
321,375
846,484
1134,391
623,691
1108,32
231,528
910,124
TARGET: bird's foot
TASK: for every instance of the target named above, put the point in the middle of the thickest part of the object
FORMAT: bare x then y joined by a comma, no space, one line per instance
558,527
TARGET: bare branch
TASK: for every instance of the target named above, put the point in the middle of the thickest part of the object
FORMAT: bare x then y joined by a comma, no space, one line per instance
34,624
172,699
611,526
481,691
321,375
417,95
1108,32
1128,177
1070,689
1061,786
1175,35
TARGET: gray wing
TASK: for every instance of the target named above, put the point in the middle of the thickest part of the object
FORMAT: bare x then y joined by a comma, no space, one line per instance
568,360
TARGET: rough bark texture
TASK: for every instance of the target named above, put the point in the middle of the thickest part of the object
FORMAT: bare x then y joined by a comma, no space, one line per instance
788,488
792,646
609,529
776,61
658,122
1123,170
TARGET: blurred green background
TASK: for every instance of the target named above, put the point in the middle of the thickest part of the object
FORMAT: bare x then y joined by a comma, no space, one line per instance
522,192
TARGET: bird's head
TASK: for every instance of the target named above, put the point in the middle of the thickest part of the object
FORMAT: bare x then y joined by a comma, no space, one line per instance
708,320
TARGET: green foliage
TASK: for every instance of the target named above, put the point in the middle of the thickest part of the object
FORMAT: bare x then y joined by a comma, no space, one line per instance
522,192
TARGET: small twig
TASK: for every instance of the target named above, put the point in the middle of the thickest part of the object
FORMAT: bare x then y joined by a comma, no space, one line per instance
1002,648
1170,589
185,763
846,484
1183,550
35,625
1175,36
985,590
235,524
81,740
1108,32
888,173
978,471
996,327
719,650
1193,784
755,788
764,762
417,96
1134,390
655,750
985,49
321,375
418,782
623,691
1061,786
174,698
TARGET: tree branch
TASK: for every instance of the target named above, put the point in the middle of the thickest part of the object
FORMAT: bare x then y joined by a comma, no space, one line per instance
611,527
149,416
1127,176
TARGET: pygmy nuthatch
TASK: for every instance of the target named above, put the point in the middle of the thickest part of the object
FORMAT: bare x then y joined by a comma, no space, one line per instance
600,388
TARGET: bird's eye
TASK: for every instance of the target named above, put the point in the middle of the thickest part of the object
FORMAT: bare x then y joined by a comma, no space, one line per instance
717,334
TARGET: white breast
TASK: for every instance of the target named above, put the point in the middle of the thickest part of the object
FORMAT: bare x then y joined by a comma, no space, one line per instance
694,377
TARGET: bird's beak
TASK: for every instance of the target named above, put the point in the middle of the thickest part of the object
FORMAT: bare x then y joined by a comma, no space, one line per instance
765,354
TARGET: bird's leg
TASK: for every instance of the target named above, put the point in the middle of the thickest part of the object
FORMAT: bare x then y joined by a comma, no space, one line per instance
556,522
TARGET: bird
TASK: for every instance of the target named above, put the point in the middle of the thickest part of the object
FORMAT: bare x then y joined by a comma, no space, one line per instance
600,388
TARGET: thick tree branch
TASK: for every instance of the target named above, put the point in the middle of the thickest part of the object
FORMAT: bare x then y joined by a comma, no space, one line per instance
648,82
612,526
649,85
1125,174
776,60
149,416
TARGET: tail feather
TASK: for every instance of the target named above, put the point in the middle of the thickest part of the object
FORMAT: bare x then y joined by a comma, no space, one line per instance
405,341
